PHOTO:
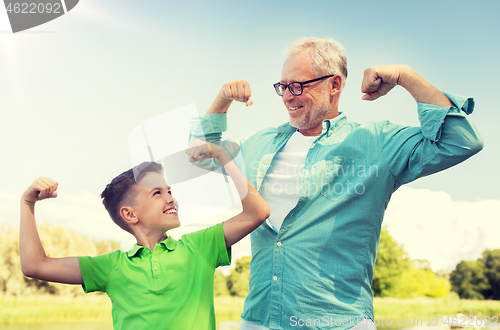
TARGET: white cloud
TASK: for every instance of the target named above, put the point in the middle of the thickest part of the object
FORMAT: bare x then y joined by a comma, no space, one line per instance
432,226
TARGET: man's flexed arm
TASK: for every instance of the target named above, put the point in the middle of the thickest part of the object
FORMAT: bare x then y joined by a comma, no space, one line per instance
238,90
379,80
34,261
446,135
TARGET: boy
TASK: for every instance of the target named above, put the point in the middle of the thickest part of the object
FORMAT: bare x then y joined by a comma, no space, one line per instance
161,283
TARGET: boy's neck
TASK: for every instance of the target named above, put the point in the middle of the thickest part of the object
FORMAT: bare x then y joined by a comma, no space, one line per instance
149,241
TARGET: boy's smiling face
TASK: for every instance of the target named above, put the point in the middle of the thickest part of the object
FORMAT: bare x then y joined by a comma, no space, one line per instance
155,206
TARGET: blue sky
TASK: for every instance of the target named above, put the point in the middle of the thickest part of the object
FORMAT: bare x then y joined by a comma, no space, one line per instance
73,89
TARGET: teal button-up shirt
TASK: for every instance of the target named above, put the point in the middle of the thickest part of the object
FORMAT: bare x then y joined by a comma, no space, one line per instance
319,266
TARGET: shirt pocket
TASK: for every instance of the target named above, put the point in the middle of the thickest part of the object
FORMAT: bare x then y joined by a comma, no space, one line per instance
343,177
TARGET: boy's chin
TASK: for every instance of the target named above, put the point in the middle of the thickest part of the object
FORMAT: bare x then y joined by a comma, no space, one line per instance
175,225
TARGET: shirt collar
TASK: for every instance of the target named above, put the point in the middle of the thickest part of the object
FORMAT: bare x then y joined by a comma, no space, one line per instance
286,127
329,125
168,243
134,250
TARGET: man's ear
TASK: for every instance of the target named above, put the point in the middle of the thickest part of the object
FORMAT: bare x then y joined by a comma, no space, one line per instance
336,85
128,215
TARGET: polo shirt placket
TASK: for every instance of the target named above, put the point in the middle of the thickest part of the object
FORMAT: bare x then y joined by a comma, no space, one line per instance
155,264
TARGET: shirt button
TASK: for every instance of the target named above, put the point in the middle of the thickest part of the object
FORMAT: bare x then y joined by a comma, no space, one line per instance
155,260
278,244
156,268
275,278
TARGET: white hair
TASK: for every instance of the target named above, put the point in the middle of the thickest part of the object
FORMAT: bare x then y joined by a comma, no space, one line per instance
329,55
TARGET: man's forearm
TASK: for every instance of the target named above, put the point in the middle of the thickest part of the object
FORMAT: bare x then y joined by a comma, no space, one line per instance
421,90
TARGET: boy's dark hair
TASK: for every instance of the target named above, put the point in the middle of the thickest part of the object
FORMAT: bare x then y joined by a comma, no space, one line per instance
122,191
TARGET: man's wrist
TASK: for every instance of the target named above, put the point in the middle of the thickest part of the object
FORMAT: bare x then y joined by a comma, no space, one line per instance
406,75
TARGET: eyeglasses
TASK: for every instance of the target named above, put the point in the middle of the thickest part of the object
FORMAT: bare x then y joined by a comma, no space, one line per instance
296,88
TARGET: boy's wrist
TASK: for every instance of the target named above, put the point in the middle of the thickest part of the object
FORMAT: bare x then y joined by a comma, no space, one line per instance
224,158
27,202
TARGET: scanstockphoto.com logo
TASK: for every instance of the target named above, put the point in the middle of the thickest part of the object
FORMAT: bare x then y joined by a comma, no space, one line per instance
26,14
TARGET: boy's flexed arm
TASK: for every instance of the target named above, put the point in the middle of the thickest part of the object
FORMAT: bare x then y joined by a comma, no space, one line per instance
255,210
34,261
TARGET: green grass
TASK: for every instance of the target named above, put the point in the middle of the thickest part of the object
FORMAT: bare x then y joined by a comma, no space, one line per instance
429,308
97,308
46,309
89,308
228,308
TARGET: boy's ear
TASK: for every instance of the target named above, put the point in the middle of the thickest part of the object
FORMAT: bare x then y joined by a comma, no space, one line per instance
128,215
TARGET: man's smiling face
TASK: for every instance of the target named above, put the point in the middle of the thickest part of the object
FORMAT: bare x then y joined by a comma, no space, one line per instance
308,110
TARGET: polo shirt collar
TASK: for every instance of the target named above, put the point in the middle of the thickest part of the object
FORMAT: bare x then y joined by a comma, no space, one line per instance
134,250
169,243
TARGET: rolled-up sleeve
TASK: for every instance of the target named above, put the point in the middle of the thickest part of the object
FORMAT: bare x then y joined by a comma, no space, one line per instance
446,137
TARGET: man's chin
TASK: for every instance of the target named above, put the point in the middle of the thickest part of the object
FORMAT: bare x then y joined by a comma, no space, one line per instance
297,122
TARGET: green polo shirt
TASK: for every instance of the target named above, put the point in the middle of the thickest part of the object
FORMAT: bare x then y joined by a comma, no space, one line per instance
171,287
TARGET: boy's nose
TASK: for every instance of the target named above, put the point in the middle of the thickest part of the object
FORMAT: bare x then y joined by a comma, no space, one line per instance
168,198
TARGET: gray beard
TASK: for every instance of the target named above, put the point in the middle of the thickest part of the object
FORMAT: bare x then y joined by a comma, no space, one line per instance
318,112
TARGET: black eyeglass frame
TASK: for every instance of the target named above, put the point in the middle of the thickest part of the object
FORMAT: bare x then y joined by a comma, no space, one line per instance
301,84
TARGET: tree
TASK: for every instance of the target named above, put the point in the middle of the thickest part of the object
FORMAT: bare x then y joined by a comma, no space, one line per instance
478,279
391,262
396,275
418,282
469,279
220,284
491,260
57,242
237,281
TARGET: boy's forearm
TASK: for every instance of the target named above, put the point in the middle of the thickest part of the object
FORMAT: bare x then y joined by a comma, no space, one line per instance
255,210
219,105
238,90
251,201
30,246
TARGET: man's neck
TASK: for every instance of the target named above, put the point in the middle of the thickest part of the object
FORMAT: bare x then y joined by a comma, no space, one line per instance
310,132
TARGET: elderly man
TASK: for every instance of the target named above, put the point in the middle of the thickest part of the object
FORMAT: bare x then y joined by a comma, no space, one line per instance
328,181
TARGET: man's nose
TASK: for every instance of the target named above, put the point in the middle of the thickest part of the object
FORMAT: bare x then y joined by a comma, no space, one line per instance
287,95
